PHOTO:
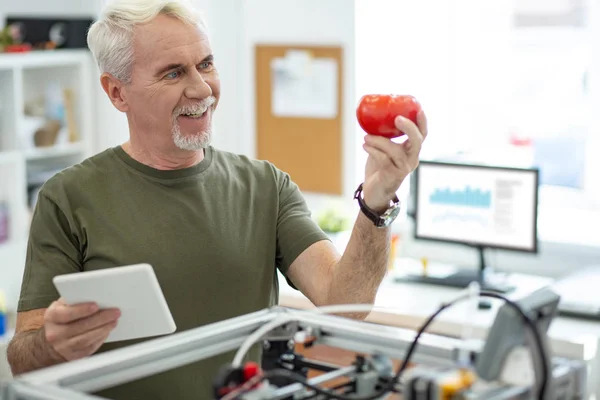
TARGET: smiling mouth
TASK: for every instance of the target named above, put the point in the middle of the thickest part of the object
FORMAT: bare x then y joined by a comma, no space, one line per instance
194,115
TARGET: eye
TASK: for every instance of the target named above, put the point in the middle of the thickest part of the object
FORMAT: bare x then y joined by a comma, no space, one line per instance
206,65
172,75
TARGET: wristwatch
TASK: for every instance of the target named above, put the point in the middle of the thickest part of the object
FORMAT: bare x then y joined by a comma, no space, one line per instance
380,220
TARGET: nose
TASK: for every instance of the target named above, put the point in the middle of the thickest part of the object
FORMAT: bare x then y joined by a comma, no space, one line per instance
198,87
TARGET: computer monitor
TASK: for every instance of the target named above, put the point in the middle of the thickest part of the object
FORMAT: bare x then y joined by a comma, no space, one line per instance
477,205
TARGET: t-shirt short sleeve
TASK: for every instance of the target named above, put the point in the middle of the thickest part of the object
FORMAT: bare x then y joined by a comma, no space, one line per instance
296,230
52,250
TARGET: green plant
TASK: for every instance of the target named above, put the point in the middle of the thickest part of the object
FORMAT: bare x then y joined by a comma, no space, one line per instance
6,38
333,220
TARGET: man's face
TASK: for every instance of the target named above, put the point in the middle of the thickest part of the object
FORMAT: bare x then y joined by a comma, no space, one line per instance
174,87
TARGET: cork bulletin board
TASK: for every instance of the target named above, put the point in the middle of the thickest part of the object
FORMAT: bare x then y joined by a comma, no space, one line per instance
298,113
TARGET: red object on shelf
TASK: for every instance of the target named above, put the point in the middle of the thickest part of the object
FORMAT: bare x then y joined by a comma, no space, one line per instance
516,140
17,48
251,369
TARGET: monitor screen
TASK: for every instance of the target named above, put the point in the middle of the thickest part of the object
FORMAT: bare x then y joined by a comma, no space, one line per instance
477,205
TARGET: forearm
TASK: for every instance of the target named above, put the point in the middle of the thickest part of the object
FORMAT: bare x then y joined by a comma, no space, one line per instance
29,351
362,267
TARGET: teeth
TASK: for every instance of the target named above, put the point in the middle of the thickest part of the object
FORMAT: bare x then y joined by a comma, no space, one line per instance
195,115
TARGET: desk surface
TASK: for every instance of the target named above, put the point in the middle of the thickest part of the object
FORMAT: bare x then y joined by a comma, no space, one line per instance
409,304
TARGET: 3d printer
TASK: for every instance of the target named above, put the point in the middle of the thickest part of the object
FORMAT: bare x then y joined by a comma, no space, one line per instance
514,361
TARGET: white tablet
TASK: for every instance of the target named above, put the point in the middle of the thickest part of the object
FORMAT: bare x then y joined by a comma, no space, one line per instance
133,289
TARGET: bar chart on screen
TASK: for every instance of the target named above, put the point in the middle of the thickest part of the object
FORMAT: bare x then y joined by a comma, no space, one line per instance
467,197
476,205
465,205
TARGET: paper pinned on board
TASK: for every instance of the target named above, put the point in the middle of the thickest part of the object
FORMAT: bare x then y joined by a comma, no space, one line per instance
303,86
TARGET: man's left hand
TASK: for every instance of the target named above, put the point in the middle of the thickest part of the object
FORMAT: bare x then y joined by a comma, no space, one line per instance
390,163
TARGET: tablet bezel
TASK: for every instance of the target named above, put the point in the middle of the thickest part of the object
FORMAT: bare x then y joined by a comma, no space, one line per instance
133,289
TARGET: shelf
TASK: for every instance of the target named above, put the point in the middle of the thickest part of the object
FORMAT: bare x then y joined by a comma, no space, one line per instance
29,79
43,58
62,150
8,110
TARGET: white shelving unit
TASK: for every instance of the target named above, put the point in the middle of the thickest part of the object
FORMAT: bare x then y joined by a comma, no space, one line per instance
25,78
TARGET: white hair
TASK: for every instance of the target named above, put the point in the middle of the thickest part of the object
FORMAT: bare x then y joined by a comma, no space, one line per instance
110,38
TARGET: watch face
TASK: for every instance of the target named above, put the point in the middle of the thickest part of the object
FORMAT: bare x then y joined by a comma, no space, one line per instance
390,215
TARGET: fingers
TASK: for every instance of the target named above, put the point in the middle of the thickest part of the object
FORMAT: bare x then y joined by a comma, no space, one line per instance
422,123
85,344
396,153
415,137
61,313
79,330
380,156
84,325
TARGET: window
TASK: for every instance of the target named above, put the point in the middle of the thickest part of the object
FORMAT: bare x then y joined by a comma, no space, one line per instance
502,82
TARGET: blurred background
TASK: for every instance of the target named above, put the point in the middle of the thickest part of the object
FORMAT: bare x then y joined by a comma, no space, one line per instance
509,82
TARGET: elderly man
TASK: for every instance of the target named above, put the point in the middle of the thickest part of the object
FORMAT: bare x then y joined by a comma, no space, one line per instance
215,226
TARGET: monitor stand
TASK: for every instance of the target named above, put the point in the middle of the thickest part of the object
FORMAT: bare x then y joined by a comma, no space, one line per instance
461,278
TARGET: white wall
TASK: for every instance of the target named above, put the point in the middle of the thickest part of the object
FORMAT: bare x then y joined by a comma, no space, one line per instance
481,37
224,19
437,57
407,50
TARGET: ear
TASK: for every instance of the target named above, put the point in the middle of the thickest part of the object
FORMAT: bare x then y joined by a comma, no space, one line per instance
114,89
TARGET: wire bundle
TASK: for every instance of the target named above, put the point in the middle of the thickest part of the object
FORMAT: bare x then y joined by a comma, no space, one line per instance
390,385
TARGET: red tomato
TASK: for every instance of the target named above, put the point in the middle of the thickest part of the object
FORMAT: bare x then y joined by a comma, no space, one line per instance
376,113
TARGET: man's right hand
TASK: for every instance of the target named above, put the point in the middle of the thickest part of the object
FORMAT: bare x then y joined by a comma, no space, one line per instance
77,331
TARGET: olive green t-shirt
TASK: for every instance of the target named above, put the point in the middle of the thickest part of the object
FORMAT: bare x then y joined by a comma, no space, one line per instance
215,234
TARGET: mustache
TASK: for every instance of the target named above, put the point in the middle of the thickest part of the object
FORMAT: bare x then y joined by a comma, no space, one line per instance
197,108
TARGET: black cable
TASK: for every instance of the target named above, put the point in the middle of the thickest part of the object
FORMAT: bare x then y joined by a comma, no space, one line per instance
349,387
389,386
515,306
536,335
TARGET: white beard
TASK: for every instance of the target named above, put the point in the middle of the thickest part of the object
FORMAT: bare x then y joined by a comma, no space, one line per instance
197,141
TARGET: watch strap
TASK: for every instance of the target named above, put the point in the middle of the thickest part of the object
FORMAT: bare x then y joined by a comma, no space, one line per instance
372,215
